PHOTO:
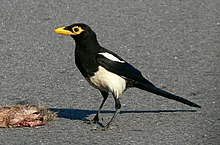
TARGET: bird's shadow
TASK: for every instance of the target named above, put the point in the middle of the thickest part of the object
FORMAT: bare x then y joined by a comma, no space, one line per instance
80,114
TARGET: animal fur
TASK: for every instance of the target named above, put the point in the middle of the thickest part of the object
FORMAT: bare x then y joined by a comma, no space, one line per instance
24,116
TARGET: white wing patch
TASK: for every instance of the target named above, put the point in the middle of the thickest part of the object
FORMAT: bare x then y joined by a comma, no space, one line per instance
111,57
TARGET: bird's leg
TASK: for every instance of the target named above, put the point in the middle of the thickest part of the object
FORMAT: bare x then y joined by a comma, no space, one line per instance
117,110
105,96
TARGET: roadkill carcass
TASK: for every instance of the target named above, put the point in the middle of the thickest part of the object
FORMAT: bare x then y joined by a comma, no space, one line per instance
25,116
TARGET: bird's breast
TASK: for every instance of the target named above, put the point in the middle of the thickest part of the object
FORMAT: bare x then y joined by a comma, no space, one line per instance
107,81
85,62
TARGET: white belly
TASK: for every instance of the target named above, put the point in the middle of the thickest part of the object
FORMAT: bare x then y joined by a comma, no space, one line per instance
107,81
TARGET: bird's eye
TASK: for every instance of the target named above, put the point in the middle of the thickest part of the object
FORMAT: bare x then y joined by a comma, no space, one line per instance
76,29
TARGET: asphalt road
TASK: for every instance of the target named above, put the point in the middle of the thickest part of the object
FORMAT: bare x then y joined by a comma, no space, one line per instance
174,43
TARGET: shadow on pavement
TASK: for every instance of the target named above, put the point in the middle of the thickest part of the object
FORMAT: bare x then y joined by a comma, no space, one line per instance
80,114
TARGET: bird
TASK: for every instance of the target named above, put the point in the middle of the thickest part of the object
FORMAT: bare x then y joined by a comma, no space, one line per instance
107,71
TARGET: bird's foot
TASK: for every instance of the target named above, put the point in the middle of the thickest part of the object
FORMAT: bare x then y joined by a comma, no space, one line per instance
109,127
90,122
100,127
95,120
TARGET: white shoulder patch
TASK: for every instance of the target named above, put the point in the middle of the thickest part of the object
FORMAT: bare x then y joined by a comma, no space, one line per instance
111,57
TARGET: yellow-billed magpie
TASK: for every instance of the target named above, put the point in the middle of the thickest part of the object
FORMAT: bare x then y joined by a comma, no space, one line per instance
106,71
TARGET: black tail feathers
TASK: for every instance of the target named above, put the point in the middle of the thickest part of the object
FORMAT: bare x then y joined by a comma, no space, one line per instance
155,90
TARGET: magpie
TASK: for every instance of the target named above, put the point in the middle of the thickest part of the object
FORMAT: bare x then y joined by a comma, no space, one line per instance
106,71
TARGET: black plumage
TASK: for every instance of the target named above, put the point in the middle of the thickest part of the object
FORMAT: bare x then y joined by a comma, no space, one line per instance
107,71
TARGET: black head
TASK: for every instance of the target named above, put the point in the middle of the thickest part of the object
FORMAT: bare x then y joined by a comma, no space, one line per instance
78,31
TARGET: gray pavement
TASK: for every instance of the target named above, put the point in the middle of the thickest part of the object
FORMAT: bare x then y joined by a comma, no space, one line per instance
174,43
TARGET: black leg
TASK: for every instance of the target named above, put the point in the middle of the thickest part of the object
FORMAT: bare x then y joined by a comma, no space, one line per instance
117,110
105,96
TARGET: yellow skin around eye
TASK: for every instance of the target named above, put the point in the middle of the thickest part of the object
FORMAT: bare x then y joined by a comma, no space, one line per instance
79,30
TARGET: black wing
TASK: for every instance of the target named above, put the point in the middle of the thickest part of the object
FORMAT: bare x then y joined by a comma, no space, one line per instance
122,69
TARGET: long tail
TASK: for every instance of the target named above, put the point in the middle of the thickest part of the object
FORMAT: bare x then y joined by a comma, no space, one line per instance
155,90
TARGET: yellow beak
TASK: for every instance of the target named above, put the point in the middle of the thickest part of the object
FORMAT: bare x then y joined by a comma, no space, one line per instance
62,31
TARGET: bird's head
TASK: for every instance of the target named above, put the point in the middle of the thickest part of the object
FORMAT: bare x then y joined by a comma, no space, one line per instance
76,31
